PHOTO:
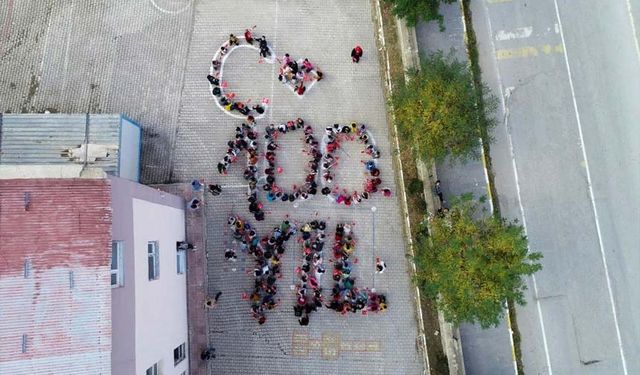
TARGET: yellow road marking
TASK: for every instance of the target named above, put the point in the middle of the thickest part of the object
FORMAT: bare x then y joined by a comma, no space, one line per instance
528,51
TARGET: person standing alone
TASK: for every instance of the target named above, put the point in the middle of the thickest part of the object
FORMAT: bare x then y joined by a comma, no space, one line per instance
356,54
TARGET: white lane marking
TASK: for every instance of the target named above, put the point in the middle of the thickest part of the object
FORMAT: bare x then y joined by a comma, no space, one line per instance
591,194
536,295
519,33
171,11
556,28
633,29
518,194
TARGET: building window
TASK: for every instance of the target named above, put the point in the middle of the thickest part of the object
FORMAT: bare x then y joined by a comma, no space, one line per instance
153,252
153,370
117,269
179,354
181,261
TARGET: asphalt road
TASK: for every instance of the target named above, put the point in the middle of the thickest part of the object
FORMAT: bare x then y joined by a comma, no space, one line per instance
566,160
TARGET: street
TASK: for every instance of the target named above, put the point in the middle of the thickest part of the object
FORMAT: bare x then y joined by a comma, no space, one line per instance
566,164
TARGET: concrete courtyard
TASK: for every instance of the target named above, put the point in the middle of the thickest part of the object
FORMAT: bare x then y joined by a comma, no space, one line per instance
149,59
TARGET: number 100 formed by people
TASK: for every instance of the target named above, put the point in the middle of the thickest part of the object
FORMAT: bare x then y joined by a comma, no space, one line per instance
320,165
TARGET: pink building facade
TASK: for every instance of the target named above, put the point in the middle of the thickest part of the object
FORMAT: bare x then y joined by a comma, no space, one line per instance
148,277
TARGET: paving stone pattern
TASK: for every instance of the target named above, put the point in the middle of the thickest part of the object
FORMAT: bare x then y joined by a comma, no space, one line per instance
99,57
150,62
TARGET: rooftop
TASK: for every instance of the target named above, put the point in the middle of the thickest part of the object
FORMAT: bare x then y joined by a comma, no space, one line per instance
54,139
55,293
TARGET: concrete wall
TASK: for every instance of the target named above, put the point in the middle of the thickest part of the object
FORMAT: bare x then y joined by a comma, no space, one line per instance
149,317
130,142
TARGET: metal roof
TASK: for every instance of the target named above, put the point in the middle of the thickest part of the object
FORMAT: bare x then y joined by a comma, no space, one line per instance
41,138
55,290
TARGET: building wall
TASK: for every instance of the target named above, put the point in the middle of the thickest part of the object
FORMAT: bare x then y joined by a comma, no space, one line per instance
161,305
149,317
123,298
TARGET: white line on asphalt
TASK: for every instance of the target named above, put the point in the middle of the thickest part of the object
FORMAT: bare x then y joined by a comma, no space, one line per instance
518,33
633,29
536,295
591,194
518,194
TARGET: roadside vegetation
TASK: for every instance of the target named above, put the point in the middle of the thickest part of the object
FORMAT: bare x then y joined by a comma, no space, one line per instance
416,206
468,261
443,111
472,50
472,263
437,109
418,10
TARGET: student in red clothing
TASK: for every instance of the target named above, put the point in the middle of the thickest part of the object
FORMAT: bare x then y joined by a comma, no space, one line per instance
248,36
356,54
300,89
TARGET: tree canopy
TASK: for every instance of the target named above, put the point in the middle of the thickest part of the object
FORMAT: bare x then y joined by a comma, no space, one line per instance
437,109
471,263
415,10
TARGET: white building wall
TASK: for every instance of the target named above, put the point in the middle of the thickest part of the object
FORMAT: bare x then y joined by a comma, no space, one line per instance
160,305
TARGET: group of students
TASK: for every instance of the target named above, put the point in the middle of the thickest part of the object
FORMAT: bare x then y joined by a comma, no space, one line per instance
309,187
336,134
267,252
308,291
226,100
246,139
295,73
345,297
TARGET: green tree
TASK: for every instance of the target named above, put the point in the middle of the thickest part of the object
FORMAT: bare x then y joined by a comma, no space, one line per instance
437,109
415,10
472,263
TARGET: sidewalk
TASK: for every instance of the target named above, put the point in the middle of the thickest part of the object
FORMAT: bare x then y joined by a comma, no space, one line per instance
485,351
